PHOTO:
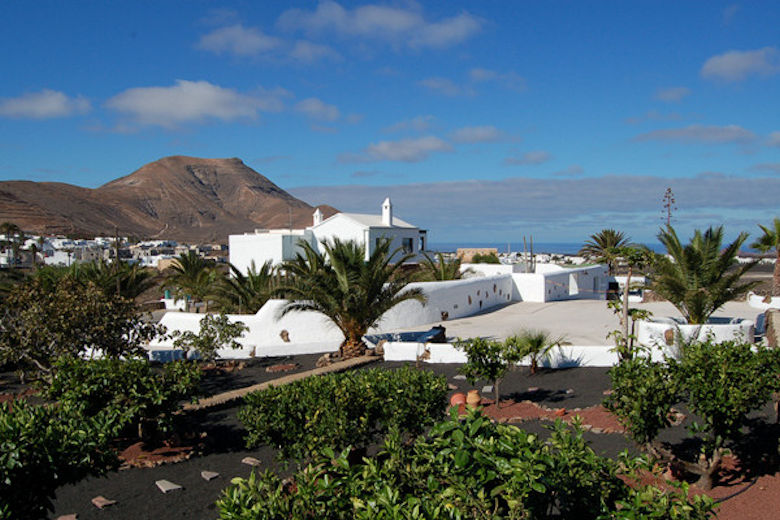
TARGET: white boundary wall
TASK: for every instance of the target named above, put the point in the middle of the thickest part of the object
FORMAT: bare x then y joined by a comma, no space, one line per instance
560,357
757,302
653,332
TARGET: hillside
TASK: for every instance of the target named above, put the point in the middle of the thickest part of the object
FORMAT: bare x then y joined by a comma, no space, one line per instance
182,198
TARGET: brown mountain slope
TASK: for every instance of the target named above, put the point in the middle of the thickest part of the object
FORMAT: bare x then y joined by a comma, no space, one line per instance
182,198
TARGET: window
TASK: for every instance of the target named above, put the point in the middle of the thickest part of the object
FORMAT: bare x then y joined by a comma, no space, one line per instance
407,245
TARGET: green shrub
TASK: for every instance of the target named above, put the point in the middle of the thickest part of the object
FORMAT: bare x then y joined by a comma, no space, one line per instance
719,382
43,447
467,468
485,258
133,388
339,410
216,332
486,360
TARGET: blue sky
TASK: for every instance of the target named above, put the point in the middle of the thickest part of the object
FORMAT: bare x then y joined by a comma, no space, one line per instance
485,121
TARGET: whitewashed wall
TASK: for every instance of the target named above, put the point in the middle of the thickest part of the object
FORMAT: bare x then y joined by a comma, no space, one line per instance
758,302
653,332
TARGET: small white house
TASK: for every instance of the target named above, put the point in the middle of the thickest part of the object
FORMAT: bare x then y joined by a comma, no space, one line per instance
278,245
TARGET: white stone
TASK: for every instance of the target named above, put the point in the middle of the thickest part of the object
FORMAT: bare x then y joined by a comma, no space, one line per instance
167,485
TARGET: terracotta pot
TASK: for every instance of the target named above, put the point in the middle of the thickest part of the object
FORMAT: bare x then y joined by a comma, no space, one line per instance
560,412
473,399
457,398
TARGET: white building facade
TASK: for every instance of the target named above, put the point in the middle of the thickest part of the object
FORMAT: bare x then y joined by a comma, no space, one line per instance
278,245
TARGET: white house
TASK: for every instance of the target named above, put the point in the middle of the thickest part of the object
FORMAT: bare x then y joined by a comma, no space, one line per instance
278,245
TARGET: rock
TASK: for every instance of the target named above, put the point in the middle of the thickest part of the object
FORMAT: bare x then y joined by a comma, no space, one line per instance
167,485
450,386
208,475
282,368
251,461
533,388
324,361
597,430
72,516
487,389
460,377
380,348
607,392
100,502
570,391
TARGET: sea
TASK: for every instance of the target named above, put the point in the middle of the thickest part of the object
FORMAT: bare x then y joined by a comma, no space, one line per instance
560,248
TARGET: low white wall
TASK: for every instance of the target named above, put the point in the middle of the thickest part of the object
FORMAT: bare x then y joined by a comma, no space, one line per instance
561,357
653,332
758,302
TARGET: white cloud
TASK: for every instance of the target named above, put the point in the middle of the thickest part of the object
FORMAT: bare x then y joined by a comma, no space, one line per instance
392,24
571,171
672,94
774,139
192,101
509,80
416,124
308,52
46,104
446,87
404,150
738,65
766,167
534,157
557,207
477,134
317,109
239,40
701,134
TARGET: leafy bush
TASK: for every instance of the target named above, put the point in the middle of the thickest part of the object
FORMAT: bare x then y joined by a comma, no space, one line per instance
719,382
216,332
42,322
486,258
42,447
339,410
469,468
132,388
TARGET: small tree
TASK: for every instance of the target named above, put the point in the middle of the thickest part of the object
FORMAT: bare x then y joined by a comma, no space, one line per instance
635,258
721,383
486,361
216,332
770,241
605,246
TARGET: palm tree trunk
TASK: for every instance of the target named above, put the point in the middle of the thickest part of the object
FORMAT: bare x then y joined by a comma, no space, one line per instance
353,347
776,275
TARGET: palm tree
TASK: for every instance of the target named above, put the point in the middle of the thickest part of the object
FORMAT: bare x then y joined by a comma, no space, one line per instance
534,344
440,269
239,292
700,277
604,247
352,292
192,276
767,242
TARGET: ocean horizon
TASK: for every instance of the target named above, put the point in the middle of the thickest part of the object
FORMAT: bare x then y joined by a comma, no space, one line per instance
560,248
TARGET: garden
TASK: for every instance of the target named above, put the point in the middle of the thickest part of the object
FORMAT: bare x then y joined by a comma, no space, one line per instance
117,435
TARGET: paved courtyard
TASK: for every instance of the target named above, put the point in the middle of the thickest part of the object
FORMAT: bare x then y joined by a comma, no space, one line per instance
582,322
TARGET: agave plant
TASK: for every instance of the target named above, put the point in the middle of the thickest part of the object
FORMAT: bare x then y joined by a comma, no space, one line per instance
769,241
700,277
352,292
605,246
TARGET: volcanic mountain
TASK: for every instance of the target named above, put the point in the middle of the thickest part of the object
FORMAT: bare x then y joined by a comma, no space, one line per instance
181,198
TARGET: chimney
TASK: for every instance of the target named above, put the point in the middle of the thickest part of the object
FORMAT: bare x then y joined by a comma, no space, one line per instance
387,212
317,217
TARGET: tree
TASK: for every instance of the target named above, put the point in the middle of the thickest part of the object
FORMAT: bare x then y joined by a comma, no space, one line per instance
352,292
604,247
11,232
700,277
440,269
486,360
769,241
41,323
133,279
636,258
216,332
246,293
192,276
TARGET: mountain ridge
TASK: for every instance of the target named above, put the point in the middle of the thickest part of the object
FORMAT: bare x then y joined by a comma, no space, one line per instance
189,199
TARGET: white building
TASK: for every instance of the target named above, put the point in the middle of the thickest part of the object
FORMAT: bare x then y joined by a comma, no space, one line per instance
278,245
